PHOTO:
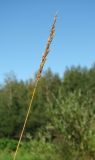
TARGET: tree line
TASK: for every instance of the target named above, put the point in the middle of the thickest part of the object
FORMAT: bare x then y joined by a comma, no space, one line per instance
63,110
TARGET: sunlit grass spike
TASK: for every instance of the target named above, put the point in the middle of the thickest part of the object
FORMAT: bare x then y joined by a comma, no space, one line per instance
36,83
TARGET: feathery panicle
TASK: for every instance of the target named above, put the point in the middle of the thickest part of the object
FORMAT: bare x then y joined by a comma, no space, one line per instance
47,49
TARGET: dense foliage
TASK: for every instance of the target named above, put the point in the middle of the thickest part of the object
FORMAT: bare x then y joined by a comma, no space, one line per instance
62,115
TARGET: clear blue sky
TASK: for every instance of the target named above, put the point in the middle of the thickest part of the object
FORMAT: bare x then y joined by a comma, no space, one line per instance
24,29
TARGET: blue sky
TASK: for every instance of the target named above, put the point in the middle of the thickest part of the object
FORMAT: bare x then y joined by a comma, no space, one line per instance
24,30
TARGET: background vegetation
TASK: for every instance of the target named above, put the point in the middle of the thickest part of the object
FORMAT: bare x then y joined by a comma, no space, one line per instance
62,121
